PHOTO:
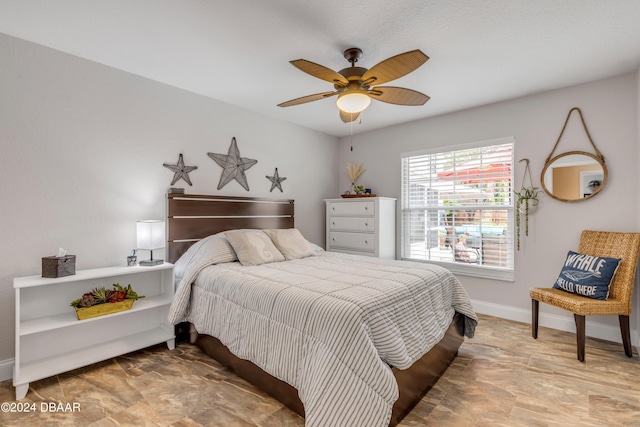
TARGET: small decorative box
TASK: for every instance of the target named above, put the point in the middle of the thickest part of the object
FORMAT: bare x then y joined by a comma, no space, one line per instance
54,266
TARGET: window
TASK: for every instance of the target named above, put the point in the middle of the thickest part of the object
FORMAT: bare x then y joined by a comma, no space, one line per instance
457,208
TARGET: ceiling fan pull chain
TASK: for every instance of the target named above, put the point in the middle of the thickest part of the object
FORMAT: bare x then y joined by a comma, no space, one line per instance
351,126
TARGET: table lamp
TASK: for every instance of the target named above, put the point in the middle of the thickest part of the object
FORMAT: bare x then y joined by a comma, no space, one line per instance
150,236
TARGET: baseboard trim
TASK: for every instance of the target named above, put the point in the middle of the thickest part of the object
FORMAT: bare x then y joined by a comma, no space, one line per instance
553,321
6,369
562,323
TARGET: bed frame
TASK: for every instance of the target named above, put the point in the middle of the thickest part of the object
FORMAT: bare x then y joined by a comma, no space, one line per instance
193,217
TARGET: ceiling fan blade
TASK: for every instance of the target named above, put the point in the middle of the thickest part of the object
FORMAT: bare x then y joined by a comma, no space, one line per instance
398,95
308,98
348,117
319,71
394,67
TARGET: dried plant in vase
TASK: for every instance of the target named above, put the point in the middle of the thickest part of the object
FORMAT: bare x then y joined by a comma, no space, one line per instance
354,172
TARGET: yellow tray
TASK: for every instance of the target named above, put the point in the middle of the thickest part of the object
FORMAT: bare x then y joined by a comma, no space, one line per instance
102,309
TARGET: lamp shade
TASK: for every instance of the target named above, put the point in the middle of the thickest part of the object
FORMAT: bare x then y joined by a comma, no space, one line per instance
150,234
353,101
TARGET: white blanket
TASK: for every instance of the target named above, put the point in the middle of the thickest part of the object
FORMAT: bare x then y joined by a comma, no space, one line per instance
330,325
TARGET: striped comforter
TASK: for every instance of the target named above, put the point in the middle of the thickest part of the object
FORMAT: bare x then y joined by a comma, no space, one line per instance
330,325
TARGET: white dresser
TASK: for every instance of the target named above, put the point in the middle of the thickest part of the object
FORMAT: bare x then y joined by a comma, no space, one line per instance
362,226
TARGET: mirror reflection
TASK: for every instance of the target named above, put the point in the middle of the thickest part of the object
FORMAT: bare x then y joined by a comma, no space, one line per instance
574,176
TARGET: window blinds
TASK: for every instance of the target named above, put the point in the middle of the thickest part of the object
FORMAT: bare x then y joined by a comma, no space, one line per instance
457,205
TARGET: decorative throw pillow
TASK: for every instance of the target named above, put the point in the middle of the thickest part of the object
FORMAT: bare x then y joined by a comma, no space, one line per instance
316,249
587,275
290,242
253,247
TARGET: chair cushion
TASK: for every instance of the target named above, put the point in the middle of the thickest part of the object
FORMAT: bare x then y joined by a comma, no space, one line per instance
587,275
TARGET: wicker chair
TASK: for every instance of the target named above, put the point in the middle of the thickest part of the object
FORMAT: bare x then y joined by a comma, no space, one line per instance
606,244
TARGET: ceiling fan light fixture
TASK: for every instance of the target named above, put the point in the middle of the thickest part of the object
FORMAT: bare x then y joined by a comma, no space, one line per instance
353,101
354,85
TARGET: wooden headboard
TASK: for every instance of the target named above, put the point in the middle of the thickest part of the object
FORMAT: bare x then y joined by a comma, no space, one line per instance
191,217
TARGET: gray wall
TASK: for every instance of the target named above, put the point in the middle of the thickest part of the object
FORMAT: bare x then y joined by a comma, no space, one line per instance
610,110
82,153
83,147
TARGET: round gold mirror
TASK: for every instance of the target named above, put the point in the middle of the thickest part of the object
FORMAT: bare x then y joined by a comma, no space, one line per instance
574,176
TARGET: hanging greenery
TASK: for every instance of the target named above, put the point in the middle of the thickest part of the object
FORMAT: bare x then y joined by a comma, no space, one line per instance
526,202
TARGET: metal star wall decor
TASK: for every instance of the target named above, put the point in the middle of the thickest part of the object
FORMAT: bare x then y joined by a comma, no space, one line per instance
233,166
276,181
180,171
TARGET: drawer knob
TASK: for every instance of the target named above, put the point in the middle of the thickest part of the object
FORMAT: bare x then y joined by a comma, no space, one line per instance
333,223
366,241
366,224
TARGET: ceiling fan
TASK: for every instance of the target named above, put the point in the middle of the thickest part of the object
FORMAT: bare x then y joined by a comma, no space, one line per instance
356,86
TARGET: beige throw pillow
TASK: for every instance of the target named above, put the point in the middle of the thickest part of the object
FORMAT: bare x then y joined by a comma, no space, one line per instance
290,242
253,247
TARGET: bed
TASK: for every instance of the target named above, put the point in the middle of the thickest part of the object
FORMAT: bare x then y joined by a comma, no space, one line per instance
350,358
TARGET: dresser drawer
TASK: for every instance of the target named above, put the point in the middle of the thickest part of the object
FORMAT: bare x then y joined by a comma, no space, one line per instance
357,241
352,224
352,208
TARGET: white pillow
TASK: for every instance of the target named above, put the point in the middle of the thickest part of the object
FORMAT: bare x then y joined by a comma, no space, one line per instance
316,249
290,242
253,247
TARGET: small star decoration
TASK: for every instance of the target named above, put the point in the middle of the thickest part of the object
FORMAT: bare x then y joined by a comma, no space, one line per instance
233,166
276,180
180,171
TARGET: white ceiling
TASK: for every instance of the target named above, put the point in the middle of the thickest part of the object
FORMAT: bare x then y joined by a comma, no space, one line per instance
237,51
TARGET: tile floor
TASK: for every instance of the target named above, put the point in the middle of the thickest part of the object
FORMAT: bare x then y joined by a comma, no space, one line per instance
502,377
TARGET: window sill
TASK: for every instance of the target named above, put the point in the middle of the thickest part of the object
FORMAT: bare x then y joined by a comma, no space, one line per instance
473,270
